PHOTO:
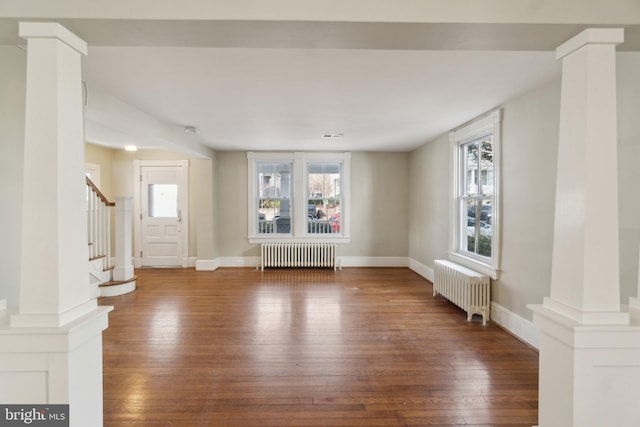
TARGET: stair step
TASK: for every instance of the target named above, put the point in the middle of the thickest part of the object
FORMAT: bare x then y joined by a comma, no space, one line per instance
114,283
111,267
115,288
97,257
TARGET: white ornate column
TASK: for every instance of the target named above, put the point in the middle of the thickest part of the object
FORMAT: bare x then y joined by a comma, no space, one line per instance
51,347
589,354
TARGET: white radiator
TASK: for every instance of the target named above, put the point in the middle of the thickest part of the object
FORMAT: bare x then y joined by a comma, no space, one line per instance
293,254
468,289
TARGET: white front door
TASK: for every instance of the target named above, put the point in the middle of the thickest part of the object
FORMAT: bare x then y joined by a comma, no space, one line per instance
162,206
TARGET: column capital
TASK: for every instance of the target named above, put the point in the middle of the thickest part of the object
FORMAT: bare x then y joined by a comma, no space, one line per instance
52,30
612,36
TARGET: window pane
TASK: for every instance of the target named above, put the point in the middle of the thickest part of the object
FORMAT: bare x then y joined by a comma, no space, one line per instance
478,166
470,163
479,231
274,192
274,180
163,200
486,165
324,200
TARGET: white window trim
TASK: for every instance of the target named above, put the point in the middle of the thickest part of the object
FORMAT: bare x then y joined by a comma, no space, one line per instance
476,129
298,196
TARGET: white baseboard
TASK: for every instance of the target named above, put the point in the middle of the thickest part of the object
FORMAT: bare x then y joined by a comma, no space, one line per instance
187,262
421,269
518,326
238,261
207,264
344,262
348,261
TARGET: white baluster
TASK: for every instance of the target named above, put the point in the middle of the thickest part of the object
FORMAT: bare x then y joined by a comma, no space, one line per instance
107,262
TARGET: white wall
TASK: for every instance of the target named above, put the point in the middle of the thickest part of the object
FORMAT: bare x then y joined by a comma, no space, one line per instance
529,156
629,173
379,205
529,151
117,181
202,195
429,202
231,205
12,107
530,142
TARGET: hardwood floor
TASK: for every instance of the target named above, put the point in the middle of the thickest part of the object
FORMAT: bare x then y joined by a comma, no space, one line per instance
357,347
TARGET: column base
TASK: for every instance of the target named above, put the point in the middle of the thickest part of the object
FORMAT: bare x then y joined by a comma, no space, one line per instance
53,320
57,365
61,365
615,317
588,373
634,311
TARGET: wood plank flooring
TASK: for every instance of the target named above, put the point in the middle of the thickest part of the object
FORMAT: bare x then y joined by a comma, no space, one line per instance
357,347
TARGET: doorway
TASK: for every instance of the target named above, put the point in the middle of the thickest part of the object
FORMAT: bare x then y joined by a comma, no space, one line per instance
162,209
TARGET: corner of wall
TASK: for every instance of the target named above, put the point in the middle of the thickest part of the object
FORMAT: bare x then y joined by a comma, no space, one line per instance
421,269
510,321
207,264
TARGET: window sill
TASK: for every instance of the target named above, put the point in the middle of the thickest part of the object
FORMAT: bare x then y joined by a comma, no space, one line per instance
289,239
479,266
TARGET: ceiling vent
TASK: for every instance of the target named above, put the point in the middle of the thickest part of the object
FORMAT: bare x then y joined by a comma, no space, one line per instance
331,135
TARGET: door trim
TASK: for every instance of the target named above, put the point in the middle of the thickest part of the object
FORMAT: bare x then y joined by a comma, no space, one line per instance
137,211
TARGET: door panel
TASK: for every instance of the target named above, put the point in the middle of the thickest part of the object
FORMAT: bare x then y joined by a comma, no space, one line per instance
161,195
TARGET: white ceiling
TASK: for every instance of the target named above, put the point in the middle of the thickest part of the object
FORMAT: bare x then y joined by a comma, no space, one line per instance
285,99
271,85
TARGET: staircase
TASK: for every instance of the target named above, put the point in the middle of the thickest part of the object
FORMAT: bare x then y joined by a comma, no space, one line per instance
99,232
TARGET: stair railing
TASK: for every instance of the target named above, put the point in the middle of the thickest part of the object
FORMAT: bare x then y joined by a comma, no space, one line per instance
98,224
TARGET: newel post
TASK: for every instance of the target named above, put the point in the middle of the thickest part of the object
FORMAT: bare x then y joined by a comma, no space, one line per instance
123,267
